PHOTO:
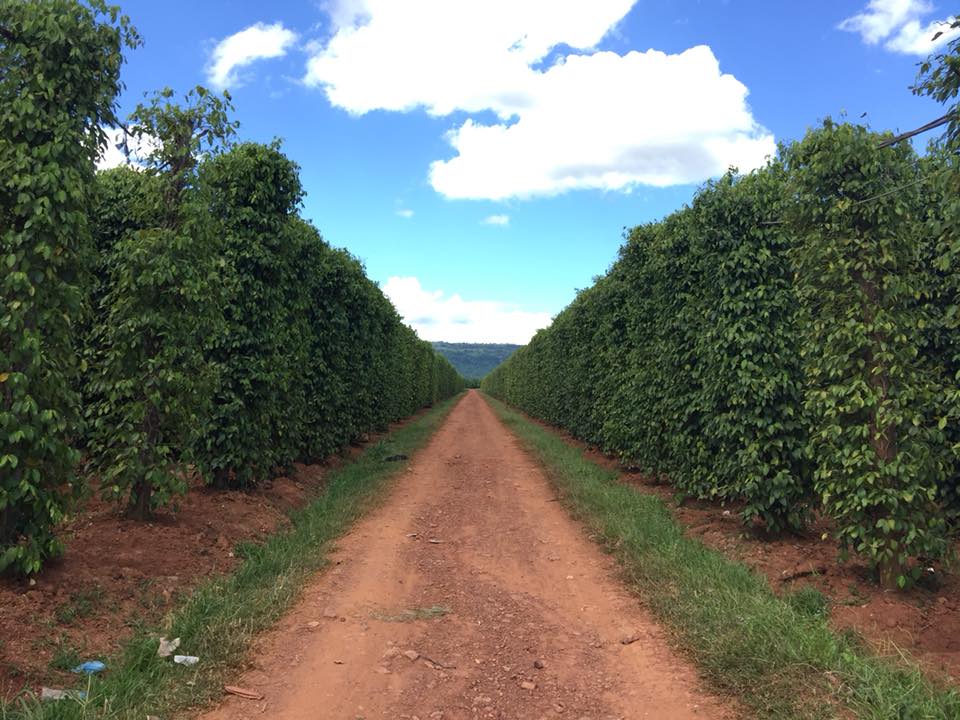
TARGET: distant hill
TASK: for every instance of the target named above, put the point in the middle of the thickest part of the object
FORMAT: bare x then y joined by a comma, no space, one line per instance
474,360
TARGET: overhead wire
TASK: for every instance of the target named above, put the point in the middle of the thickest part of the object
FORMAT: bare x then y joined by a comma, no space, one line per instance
893,141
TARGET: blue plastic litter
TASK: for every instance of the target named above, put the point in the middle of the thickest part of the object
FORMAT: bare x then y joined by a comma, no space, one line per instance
91,667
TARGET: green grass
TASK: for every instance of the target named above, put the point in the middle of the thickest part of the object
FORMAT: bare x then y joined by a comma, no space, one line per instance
80,605
65,656
421,613
220,618
777,655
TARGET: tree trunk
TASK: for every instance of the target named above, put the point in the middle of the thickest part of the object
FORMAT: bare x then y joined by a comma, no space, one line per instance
8,527
221,479
140,500
883,440
141,505
890,570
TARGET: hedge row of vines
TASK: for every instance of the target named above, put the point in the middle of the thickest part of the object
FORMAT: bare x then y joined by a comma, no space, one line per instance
171,322
789,341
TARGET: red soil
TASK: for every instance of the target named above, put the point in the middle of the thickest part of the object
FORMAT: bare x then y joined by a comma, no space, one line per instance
923,623
117,573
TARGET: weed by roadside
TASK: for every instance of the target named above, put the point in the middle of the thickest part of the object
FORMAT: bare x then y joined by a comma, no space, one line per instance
80,605
66,656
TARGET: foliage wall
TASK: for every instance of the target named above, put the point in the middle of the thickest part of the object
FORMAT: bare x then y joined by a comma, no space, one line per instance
171,322
788,341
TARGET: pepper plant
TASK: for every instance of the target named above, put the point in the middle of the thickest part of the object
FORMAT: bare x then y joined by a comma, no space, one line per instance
154,383
60,76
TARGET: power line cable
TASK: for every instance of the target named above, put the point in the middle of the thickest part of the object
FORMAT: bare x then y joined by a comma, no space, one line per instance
922,129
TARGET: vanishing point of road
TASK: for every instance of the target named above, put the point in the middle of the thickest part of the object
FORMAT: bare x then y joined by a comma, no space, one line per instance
469,593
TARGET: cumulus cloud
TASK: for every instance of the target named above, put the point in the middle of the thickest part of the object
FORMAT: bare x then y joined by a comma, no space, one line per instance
568,116
436,315
113,156
448,55
609,122
497,220
405,213
257,42
900,26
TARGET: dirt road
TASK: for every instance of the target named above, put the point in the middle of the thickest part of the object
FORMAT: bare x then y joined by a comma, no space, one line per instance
469,594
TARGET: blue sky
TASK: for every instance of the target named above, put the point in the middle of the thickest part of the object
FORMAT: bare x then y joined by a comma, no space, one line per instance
482,157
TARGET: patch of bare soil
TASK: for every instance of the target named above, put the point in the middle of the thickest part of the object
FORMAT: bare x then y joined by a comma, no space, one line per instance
469,593
119,573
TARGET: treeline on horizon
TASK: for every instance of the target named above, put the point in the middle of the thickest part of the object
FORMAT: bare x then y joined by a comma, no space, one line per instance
474,360
170,323
788,341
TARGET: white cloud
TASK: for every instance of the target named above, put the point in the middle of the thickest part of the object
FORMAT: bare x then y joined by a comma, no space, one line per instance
497,220
405,213
445,55
438,316
609,122
140,148
916,39
881,17
577,119
899,25
344,13
257,42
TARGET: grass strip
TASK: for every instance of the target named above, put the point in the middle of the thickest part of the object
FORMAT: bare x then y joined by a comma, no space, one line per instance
777,654
220,618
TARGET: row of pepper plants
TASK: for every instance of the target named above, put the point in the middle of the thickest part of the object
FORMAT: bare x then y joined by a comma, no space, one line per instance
788,341
172,321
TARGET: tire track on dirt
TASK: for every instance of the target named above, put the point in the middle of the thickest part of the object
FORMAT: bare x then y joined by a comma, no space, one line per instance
536,614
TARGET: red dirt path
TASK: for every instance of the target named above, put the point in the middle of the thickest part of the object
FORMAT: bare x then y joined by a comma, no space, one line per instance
535,615
126,572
